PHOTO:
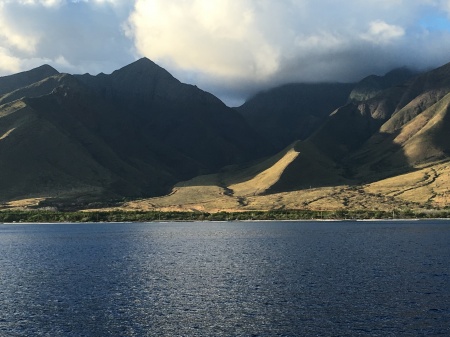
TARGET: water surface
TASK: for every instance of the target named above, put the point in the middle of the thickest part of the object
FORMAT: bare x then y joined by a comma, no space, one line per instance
226,279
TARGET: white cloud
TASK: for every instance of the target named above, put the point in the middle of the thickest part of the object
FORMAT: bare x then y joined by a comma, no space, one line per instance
46,3
15,40
444,5
72,35
222,36
251,38
8,64
257,43
382,32
231,47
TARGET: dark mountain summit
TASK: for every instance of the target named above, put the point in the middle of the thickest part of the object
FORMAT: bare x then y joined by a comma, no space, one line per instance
135,132
23,79
172,114
144,81
39,88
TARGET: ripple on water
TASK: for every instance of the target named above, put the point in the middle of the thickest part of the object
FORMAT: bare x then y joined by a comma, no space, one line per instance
225,279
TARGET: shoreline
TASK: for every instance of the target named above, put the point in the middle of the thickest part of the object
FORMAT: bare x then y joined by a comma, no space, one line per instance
59,217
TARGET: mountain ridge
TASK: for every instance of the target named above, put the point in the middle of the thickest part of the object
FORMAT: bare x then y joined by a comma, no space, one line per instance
133,141
15,81
141,133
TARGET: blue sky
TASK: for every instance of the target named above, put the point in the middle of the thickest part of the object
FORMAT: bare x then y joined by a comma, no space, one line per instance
435,22
232,48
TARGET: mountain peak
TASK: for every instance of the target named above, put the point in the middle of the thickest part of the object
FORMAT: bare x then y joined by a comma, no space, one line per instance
25,78
144,61
143,70
45,68
142,64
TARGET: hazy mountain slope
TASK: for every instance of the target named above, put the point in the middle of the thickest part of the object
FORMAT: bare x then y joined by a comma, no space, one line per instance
372,85
421,93
23,79
293,112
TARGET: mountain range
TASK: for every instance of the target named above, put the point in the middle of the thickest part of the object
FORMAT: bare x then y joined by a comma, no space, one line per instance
140,134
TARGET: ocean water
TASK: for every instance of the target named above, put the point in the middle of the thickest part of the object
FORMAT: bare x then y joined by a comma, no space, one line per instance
226,279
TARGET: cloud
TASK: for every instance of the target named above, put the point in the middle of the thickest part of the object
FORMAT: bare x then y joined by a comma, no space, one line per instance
382,32
254,44
16,41
220,35
231,48
46,3
8,64
87,35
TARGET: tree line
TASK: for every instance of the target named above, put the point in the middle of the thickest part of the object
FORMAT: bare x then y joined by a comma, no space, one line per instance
11,216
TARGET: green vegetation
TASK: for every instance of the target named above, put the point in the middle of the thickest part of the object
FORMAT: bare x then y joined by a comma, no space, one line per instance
9,216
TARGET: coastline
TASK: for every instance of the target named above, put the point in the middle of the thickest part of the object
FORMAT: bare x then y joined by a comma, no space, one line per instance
51,217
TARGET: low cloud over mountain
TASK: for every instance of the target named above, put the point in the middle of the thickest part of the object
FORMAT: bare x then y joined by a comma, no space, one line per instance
231,48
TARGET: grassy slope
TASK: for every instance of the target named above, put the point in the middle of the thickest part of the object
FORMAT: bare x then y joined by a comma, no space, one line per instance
424,188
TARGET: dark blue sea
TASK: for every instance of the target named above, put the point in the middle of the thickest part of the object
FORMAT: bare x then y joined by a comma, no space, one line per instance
226,279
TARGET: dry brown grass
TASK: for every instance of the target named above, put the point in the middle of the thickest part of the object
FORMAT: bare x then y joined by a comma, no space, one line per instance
199,194
23,203
266,179
425,187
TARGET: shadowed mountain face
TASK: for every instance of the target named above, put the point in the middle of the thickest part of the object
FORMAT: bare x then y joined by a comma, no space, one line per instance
139,131
372,85
135,132
294,111
168,113
23,79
